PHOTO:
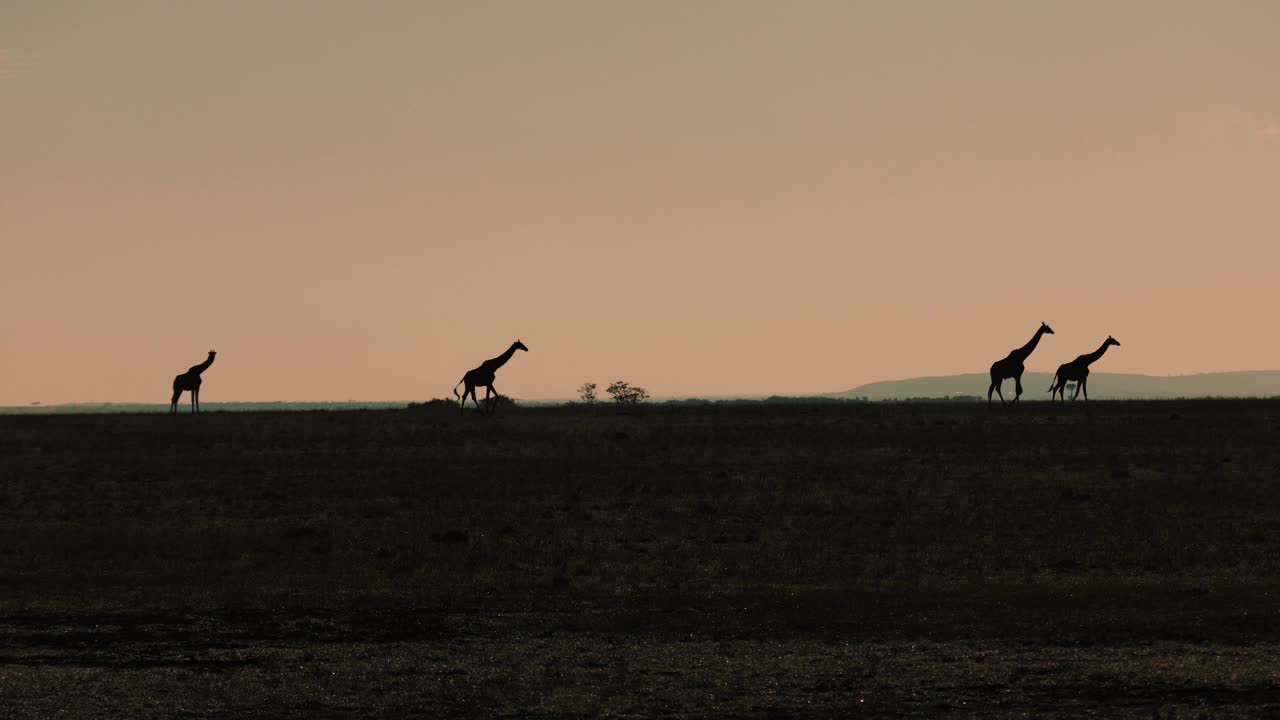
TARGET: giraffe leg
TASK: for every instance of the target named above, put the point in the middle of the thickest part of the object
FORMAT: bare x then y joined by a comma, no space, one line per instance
475,400
488,393
1017,390
195,396
997,387
1084,390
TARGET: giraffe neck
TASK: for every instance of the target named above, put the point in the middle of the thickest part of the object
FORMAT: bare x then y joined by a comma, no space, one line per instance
1025,350
502,359
197,369
1093,356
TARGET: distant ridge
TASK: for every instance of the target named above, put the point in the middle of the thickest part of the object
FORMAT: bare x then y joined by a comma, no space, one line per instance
1102,386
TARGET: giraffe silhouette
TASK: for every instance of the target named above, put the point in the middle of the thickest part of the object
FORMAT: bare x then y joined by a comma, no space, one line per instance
1012,367
1077,371
483,376
190,380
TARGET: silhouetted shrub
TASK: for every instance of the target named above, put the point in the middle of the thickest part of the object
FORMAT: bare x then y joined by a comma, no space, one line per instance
587,393
624,393
498,402
434,404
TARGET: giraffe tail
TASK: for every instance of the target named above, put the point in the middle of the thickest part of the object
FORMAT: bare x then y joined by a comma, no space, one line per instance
455,389
1054,385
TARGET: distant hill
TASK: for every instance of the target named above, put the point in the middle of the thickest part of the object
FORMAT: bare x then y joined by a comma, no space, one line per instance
1102,386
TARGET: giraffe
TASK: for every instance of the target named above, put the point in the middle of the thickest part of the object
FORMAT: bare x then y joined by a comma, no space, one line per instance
484,375
1012,367
1077,370
190,380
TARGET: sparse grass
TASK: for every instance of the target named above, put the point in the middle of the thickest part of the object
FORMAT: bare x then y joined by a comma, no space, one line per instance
698,561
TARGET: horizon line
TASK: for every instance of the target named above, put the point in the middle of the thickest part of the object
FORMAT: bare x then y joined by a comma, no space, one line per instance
655,398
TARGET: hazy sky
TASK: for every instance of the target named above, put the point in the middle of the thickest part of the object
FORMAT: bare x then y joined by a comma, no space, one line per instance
362,200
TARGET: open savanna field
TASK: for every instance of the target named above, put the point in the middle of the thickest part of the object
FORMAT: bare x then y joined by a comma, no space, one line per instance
862,560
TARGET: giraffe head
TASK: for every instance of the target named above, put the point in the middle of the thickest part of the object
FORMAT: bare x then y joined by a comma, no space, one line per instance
1044,328
519,346
212,353
1111,341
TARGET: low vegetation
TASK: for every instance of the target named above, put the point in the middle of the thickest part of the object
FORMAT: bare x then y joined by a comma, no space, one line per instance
624,393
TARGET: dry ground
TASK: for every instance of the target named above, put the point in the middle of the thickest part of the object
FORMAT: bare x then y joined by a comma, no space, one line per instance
730,561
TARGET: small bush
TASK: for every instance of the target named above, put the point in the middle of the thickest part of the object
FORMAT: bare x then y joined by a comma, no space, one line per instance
497,402
434,404
624,393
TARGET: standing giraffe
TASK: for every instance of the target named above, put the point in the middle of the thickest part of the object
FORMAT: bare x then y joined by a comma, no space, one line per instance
1012,367
1077,370
484,375
190,380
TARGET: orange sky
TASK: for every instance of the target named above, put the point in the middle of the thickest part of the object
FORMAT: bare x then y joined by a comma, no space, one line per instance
364,200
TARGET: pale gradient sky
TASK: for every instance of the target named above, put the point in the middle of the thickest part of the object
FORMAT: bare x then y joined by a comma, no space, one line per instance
362,200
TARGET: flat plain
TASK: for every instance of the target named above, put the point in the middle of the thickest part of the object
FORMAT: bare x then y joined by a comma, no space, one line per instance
754,561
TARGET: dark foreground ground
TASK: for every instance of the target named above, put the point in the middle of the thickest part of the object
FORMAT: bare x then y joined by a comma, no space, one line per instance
762,561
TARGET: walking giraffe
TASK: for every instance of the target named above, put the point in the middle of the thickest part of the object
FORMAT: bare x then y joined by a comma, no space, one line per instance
1012,367
190,380
484,375
1077,371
